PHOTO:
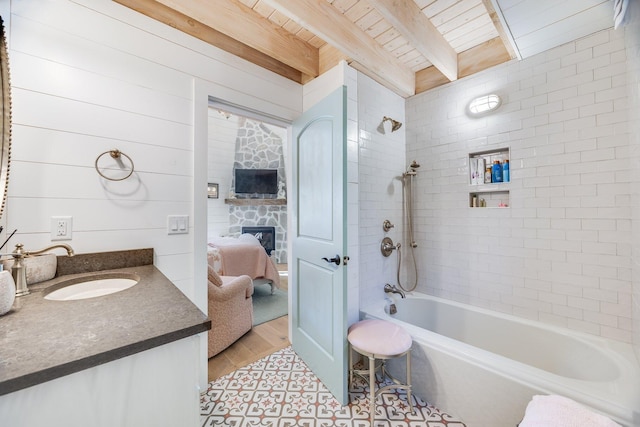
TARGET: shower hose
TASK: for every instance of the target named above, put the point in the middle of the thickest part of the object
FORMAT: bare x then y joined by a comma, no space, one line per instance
408,206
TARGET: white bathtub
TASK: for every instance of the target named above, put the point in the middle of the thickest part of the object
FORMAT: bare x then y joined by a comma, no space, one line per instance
484,366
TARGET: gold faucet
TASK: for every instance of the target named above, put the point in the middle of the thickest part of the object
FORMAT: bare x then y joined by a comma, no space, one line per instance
19,270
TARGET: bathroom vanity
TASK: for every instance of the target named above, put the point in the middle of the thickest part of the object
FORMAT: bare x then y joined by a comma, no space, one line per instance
130,358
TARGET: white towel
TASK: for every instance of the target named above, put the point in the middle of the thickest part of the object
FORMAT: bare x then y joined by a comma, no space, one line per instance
620,15
558,411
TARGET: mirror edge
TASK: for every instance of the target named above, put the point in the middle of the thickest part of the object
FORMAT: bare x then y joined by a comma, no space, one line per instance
5,105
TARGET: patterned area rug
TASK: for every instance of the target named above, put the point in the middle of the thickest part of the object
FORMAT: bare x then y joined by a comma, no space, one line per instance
280,390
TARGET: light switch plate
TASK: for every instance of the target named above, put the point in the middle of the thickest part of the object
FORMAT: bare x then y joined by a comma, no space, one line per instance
61,227
178,224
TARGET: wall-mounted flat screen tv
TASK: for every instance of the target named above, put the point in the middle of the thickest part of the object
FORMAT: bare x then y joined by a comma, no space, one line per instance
256,181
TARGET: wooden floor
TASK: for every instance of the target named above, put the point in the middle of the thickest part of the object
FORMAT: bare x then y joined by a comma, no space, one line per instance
259,342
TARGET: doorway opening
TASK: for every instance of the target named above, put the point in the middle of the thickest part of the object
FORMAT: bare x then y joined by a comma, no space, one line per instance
247,146
241,143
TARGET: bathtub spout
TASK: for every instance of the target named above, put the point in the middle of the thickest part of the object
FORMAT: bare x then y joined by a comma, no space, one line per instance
393,309
392,289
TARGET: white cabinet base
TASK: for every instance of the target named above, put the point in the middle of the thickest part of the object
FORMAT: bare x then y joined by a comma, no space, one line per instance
158,387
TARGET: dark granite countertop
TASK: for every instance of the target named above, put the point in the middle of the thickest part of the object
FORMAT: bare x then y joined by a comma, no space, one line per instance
41,340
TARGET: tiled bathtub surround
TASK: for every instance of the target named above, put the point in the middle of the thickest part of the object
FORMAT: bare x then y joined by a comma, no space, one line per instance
561,253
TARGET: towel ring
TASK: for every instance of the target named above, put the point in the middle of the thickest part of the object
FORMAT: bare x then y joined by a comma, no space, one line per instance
115,154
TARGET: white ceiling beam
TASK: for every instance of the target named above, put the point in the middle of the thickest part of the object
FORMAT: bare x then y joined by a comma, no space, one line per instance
413,25
499,22
240,22
326,22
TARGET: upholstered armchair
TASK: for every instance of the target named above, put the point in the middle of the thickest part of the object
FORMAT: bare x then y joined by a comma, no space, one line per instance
230,309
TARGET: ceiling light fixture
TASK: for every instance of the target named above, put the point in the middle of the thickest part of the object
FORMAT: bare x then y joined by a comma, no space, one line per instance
484,105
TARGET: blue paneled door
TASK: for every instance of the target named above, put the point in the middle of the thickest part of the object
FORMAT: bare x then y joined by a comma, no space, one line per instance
319,242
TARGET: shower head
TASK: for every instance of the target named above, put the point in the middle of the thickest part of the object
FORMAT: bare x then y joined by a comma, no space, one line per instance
414,165
395,125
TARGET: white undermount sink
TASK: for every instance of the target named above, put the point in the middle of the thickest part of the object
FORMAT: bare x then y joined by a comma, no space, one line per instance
91,288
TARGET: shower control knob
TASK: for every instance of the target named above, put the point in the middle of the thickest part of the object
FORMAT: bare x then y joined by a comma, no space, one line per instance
335,260
387,246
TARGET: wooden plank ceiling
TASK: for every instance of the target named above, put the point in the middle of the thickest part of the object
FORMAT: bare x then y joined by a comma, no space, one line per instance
408,46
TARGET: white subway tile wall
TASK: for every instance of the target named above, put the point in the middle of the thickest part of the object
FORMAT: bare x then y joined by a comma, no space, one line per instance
632,40
561,253
382,162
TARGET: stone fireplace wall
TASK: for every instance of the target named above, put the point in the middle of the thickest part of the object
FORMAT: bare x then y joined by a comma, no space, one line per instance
258,146
257,216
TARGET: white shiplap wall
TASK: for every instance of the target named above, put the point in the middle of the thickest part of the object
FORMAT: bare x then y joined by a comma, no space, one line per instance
561,253
92,75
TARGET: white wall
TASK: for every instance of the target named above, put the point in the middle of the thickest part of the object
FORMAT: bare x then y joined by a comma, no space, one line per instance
222,149
381,164
632,40
92,75
561,253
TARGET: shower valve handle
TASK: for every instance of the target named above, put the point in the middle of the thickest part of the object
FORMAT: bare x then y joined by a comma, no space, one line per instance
335,260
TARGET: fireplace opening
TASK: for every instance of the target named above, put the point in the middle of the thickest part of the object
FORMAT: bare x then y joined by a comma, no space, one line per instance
265,235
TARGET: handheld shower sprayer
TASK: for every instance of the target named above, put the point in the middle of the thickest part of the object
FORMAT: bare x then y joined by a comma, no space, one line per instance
411,170
407,197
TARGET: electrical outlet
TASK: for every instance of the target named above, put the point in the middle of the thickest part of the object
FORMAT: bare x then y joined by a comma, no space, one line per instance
61,227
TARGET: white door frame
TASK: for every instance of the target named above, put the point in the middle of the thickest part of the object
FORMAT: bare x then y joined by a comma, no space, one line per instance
203,91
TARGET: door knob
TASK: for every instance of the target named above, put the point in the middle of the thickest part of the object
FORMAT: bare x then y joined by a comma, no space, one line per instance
335,260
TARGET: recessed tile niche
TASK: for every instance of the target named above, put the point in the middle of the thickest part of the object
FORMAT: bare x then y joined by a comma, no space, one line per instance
484,190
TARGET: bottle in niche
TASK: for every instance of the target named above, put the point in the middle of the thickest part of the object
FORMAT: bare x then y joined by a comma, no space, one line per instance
496,172
487,176
505,171
475,173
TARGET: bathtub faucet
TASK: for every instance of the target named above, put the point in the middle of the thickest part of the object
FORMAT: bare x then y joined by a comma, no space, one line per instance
392,289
